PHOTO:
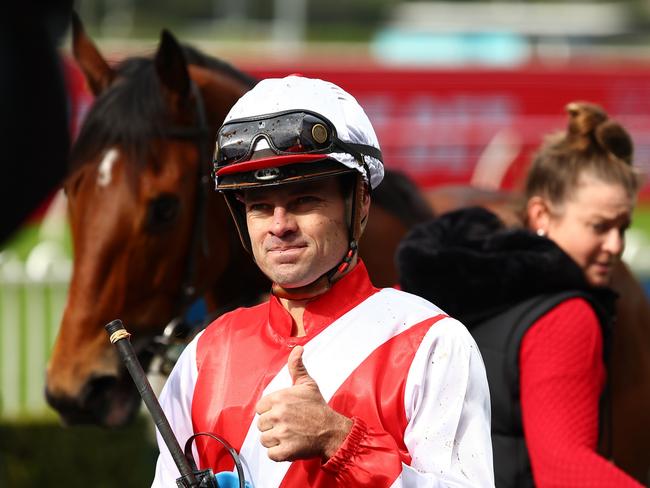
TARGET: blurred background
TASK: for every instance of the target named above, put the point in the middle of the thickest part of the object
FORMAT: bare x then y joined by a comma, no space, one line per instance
458,91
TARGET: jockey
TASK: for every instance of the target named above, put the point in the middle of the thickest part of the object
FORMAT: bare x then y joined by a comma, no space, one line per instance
278,155
331,381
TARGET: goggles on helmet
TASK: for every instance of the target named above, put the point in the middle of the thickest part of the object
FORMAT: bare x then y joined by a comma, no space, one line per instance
287,133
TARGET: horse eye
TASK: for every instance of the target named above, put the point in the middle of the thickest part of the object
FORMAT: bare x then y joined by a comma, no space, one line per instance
72,182
162,212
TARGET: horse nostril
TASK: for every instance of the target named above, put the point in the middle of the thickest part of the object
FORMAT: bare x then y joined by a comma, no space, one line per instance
57,402
96,393
111,400
70,409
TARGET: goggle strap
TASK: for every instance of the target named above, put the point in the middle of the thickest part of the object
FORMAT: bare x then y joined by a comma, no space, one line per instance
356,223
357,203
240,221
360,149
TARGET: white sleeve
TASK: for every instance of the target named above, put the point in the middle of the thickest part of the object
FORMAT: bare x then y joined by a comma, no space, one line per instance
447,401
176,401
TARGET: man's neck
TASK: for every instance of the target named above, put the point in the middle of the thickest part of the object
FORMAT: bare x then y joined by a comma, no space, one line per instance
296,309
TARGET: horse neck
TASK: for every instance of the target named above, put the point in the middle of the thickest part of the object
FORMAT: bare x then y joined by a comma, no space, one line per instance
234,278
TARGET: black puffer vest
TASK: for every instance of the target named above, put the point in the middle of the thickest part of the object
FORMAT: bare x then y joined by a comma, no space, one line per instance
498,282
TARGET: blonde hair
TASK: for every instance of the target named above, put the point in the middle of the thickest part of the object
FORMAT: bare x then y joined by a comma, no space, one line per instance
592,144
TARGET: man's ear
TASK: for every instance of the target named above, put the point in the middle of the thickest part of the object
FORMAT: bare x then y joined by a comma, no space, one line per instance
365,207
538,213
365,202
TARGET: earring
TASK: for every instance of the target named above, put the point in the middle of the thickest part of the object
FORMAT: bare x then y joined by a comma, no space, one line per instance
541,232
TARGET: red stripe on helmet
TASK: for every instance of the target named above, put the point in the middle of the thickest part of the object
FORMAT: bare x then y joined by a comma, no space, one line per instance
273,161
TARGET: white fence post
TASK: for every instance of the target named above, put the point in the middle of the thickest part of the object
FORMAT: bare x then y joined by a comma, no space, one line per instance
32,297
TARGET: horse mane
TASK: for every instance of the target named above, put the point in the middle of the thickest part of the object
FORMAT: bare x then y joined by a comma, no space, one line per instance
195,57
133,111
400,196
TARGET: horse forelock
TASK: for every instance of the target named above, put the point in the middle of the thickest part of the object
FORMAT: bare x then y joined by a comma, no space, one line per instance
133,110
130,113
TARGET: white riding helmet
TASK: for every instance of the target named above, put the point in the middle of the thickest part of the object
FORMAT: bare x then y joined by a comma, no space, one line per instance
353,142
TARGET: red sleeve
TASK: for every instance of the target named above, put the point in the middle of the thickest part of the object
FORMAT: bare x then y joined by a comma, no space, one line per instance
366,458
562,377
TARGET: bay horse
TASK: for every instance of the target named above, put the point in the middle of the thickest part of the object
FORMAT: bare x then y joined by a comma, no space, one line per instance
149,234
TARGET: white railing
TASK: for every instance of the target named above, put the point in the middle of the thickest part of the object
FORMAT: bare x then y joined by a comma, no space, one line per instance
32,298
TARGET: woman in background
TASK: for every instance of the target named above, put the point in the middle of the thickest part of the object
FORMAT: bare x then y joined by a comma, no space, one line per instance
537,301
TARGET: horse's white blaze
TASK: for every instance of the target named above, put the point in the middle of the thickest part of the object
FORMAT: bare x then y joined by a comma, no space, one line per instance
105,172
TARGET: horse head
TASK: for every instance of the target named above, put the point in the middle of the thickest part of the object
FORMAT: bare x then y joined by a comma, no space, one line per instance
149,234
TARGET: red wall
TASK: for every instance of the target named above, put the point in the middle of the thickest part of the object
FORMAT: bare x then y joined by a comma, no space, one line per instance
436,124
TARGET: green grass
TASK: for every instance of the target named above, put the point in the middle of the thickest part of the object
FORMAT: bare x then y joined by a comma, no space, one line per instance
46,454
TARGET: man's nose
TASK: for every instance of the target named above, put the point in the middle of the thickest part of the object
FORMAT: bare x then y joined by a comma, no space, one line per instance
283,222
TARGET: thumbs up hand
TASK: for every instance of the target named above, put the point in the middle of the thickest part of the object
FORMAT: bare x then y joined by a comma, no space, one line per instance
297,370
297,423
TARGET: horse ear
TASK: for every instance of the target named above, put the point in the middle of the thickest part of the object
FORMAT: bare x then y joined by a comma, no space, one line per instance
172,66
98,73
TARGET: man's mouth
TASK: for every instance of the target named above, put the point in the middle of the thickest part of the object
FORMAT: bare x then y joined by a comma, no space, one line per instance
281,249
286,253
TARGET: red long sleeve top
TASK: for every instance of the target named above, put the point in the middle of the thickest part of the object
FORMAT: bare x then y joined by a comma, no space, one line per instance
562,378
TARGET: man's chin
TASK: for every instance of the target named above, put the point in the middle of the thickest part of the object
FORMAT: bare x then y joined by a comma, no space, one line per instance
291,281
290,278
293,275
293,284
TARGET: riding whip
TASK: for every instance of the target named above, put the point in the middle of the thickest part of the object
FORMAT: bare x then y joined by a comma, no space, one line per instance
189,477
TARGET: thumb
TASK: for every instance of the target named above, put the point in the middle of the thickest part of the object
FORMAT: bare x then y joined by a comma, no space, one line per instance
297,370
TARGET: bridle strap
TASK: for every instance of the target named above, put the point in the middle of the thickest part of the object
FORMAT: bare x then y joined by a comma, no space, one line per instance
177,328
198,242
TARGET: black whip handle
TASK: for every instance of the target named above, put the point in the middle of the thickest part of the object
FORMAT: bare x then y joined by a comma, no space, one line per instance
120,338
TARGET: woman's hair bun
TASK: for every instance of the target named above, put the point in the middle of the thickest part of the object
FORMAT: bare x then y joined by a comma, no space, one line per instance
615,139
589,125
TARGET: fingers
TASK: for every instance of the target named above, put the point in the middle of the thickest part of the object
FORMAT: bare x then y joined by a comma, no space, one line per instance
280,453
297,370
290,419
269,440
278,448
263,405
275,450
264,423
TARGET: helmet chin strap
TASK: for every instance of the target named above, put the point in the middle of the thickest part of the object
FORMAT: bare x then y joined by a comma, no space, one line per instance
326,280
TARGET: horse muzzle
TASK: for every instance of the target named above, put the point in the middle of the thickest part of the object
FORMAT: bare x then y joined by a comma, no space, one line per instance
107,401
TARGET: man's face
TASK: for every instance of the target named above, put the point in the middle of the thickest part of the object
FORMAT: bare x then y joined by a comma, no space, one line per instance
298,231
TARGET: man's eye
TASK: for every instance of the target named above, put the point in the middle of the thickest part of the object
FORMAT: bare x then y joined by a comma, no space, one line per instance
306,199
257,207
